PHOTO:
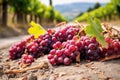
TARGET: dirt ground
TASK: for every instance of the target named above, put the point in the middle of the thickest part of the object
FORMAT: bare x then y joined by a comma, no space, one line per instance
109,70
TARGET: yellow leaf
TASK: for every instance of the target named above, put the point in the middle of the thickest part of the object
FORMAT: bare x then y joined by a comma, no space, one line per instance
36,29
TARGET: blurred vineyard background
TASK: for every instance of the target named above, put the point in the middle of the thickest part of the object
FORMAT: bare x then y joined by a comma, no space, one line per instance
15,15
111,11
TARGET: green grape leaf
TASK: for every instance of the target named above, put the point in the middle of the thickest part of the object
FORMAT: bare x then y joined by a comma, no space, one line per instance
36,29
94,29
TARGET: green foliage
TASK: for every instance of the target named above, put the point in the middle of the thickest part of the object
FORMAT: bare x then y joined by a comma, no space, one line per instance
59,17
1,2
34,7
51,11
19,5
118,7
108,9
47,15
89,9
97,5
94,29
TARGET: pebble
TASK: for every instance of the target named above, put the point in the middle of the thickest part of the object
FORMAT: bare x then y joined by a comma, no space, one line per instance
32,77
1,67
52,78
11,75
43,78
1,70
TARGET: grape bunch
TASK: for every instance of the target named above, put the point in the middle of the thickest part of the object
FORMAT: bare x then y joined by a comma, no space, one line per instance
113,48
17,50
63,53
45,43
29,39
27,59
91,48
65,34
62,47
39,46
33,49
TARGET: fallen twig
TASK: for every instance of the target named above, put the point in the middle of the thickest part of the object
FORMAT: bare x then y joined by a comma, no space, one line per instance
15,71
110,58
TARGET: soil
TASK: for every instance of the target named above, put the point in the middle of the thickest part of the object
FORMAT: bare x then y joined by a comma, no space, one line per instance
12,31
109,70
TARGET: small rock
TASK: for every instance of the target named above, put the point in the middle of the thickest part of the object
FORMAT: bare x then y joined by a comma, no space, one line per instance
52,78
109,78
4,77
51,71
32,77
11,75
23,78
41,72
88,65
61,74
33,71
45,65
1,67
7,59
1,70
93,68
101,75
43,78
77,65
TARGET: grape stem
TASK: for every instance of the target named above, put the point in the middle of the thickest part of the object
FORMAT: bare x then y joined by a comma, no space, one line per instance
110,58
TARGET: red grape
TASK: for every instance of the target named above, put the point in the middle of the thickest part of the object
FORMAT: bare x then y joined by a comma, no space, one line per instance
67,61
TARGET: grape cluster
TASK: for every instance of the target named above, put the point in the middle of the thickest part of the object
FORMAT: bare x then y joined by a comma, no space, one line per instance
29,39
33,49
62,47
63,53
65,34
27,59
40,45
90,48
45,43
113,48
17,50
